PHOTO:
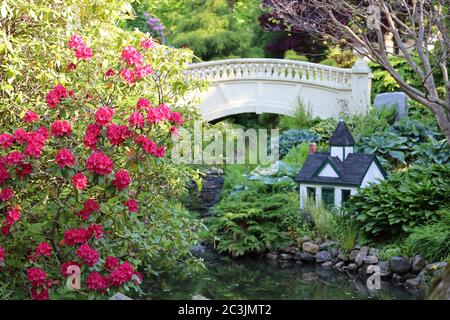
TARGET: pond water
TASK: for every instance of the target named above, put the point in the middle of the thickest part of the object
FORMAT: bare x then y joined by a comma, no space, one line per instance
260,279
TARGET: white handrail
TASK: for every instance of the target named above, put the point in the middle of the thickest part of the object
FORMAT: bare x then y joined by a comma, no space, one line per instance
272,69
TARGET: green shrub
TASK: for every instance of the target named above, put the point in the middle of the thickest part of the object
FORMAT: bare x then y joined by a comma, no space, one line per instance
292,138
292,55
297,155
323,220
252,221
324,129
402,202
433,240
302,119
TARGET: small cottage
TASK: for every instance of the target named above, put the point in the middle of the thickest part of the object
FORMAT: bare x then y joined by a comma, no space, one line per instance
331,177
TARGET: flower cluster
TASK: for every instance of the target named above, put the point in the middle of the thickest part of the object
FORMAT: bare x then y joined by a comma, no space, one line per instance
150,147
92,136
61,128
80,181
89,255
89,207
2,254
35,142
82,52
30,117
135,61
64,158
122,179
117,134
43,249
99,163
12,216
132,205
120,275
38,280
104,115
55,96
6,194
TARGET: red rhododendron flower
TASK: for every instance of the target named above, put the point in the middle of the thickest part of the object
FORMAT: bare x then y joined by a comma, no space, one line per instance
92,135
84,214
76,236
174,131
96,282
99,163
75,42
89,255
2,254
143,103
147,43
142,72
158,114
96,231
13,158
160,151
6,140
176,117
30,116
64,158
91,205
61,128
80,181
55,96
83,53
35,142
71,66
122,179
12,216
110,73
23,169
104,115
20,135
65,266
6,230
117,134
4,174
6,194
111,263
43,249
132,56
132,205
39,293
136,120
122,274
127,75
36,276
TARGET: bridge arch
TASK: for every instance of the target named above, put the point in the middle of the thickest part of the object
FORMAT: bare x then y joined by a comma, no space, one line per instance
276,86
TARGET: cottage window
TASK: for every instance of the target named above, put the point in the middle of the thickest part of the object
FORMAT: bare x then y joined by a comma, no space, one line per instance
345,195
311,193
328,197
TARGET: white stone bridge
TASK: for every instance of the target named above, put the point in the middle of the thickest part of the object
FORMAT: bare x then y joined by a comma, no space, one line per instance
276,86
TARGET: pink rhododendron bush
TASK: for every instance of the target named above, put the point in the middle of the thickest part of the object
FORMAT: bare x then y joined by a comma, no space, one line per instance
86,180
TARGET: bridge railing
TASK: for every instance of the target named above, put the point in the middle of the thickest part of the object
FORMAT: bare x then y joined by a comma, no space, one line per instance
272,69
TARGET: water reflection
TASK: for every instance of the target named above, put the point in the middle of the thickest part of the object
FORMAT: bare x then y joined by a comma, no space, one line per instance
258,279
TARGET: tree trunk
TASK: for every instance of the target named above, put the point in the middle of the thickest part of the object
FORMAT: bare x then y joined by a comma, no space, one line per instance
443,120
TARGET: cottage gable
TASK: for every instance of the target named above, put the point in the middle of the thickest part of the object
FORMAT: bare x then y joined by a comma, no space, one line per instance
328,171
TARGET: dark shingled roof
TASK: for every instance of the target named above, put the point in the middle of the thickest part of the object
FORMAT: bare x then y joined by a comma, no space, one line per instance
351,171
341,136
